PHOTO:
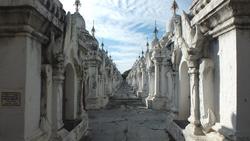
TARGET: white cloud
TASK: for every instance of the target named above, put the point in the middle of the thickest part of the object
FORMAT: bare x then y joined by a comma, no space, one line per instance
126,22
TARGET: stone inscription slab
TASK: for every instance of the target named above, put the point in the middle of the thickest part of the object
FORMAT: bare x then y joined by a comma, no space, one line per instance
10,99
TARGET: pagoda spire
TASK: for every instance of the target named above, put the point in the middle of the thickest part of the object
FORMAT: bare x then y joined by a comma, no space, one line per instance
77,5
147,44
102,45
93,29
156,31
174,7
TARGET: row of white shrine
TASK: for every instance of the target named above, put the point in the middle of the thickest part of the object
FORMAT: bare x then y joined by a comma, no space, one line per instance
196,72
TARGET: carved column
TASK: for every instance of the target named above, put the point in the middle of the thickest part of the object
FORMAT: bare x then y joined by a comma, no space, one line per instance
144,81
151,87
92,100
159,101
150,81
157,77
175,91
194,118
57,98
138,79
133,81
139,82
79,96
109,81
82,96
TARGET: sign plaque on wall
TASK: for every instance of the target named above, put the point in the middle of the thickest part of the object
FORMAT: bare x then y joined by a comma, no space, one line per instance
10,99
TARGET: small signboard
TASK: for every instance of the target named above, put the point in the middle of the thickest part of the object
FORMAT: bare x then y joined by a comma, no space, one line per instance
10,99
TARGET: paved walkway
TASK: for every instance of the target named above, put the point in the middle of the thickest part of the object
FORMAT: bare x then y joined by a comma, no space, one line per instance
127,119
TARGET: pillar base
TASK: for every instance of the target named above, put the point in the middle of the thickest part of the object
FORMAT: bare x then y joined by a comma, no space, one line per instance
212,136
174,110
193,130
93,103
58,136
144,96
157,103
104,101
149,101
139,94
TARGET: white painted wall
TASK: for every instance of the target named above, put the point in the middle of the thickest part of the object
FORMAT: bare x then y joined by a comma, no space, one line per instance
164,82
20,71
32,87
12,77
243,84
215,56
69,93
184,95
206,91
228,80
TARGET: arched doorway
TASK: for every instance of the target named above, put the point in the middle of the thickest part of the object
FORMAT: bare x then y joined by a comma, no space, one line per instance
184,93
69,94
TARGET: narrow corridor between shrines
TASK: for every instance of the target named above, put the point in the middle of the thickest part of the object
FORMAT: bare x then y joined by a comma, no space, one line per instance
126,119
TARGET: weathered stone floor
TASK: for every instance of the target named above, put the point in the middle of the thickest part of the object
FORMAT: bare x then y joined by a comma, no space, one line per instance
126,119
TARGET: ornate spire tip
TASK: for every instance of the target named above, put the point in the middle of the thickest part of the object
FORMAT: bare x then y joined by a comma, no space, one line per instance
175,6
93,29
102,44
147,44
156,30
77,5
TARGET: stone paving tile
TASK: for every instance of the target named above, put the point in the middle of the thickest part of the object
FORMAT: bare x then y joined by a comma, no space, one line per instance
127,121
128,125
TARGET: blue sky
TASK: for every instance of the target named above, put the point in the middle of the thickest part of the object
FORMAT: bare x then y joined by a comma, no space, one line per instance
124,25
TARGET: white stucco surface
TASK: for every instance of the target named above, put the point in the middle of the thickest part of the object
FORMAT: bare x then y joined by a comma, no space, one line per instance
228,79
